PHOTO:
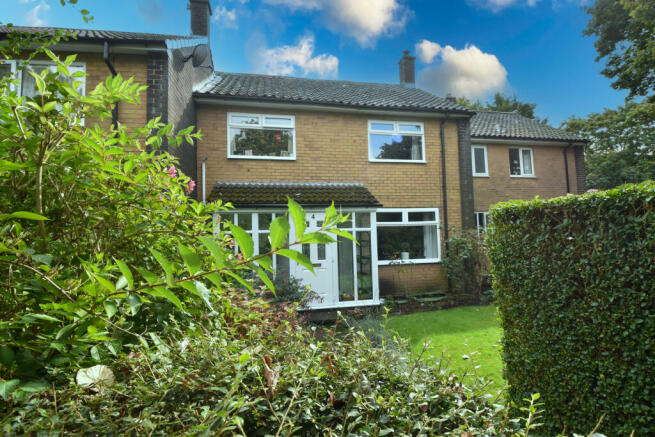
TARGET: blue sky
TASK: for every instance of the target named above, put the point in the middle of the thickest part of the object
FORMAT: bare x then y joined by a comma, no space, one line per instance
533,49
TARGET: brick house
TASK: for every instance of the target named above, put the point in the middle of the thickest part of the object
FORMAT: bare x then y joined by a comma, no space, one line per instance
408,165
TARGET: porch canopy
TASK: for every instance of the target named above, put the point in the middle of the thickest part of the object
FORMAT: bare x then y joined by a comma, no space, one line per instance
274,194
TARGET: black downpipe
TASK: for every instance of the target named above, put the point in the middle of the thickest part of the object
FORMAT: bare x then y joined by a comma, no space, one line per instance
445,191
566,167
114,111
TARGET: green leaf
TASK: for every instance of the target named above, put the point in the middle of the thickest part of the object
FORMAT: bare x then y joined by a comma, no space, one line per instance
11,166
39,82
7,355
317,237
266,262
135,302
151,278
95,353
199,289
63,332
126,272
7,387
264,277
49,106
239,279
121,283
244,240
298,217
23,215
166,265
279,235
34,386
110,308
214,249
191,259
166,294
45,317
104,282
297,257
330,213
342,233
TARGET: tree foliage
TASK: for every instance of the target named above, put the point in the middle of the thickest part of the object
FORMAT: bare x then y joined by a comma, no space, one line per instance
503,103
625,30
622,147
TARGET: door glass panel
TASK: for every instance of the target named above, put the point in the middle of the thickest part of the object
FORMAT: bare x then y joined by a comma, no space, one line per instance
281,266
346,271
364,269
306,250
320,252
363,219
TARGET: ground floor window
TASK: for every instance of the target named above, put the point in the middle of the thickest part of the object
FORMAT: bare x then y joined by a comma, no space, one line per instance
355,261
481,221
408,235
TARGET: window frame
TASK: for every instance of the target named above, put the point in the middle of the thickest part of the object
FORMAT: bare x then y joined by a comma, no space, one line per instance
406,223
522,175
486,161
14,73
18,72
485,218
396,131
262,126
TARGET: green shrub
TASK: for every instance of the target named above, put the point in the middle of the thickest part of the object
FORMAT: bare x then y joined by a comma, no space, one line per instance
467,266
574,280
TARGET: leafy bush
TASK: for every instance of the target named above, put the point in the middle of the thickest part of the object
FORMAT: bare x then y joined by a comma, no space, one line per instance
574,280
467,266
258,371
289,289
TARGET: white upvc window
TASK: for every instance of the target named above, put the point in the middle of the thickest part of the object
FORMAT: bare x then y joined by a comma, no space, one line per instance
396,141
479,158
261,136
355,262
521,163
481,221
7,70
408,235
27,84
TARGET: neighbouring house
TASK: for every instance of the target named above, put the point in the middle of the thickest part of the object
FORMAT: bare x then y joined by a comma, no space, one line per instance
407,165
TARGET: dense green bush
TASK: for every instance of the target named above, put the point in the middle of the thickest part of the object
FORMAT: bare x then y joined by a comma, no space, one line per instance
574,279
467,266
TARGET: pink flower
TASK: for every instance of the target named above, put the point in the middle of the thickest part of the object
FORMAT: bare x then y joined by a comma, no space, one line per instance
239,256
110,157
190,186
172,171
161,198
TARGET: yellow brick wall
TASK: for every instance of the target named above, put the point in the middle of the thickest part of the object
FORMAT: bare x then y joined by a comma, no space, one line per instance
132,115
333,147
549,180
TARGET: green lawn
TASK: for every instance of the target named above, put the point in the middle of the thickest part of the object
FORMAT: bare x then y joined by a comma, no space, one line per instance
465,331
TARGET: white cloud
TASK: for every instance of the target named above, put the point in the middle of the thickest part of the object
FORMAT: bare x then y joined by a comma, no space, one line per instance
225,17
32,17
287,60
151,10
427,50
497,5
363,20
467,73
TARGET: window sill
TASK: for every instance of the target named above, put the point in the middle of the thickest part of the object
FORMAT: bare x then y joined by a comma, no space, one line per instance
522,176
409,262
480,175
274,158
399,161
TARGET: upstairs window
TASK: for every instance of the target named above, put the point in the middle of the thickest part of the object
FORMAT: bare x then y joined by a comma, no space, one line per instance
27,83
479,156
520,162
393,141
259,136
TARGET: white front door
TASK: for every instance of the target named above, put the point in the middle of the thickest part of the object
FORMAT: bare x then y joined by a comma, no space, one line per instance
323,257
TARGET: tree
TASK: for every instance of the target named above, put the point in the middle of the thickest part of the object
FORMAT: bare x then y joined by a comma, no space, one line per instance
622,147
625,30
503,103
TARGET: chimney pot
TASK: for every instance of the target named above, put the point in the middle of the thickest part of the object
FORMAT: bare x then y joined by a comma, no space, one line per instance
201,12
451,98
407,75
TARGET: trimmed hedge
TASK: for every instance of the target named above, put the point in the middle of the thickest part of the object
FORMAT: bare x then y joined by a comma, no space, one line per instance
574,279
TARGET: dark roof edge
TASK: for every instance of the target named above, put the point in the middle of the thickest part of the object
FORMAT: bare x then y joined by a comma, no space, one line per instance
543,139
256,99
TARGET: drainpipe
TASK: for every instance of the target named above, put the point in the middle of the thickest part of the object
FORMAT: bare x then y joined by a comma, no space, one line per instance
566,167
443,181
204,192
114,111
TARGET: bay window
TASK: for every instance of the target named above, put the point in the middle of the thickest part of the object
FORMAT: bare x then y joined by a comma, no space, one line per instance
261,136
392,141
408,235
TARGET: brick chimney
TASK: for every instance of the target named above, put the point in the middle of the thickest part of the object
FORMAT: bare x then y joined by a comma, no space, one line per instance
406,65
201,12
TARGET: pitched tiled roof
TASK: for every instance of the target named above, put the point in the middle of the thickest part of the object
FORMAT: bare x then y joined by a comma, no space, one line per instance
325,92
305,193
97,35
510,125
